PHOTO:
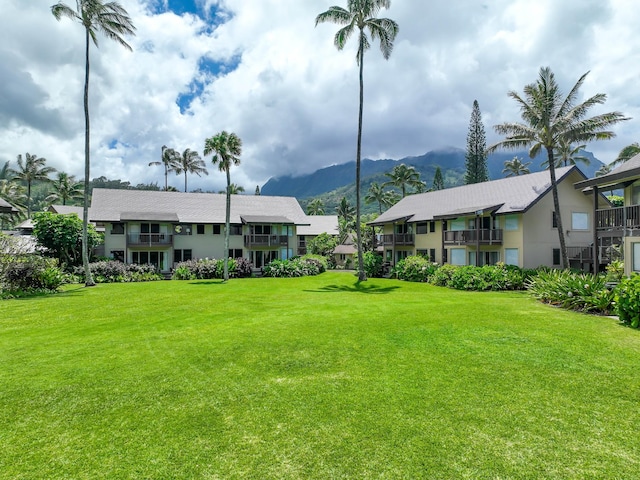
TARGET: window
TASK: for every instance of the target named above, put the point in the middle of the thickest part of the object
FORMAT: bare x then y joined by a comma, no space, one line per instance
636,257
511,223
182,255
445,256
422,253
388,255
556,256
117,228
216,229
457,225
401,255
554,220
235,230
200,228
458,256
118,255
260,230
511,256
432,227
579,221
421,228
235,253
432,255
149,228
486,258
401,228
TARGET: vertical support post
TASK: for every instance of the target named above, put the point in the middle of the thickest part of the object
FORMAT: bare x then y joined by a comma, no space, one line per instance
596,260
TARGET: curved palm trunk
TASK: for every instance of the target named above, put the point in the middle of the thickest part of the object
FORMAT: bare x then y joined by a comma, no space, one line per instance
556,206
85,209
227,227
361,275
28,199
185,181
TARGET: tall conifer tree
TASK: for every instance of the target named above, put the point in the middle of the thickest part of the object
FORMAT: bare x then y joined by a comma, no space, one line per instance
438,181
476,156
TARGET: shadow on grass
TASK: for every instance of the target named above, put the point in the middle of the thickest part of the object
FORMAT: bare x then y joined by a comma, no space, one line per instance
358,287
208,282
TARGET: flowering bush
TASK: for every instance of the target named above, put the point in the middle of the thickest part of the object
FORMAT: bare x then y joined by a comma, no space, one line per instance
627,300
114,271
22,275
576,291
296,267
209,268
372,263
487,277
415,268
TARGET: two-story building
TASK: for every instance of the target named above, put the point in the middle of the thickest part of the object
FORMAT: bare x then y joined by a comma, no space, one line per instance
164,228
617,230
510,220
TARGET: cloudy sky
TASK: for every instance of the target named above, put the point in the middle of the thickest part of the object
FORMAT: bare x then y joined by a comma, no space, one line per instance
261,69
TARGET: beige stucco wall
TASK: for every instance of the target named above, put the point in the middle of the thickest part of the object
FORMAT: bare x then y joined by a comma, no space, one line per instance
539,236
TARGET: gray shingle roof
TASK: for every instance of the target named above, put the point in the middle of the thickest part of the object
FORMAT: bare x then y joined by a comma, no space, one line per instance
6,207
318,224
109,205
506,195
629,170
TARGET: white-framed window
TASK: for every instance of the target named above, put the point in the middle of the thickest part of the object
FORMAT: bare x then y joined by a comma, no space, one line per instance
511,256
458,224
636,257
458,256
511,222
579,221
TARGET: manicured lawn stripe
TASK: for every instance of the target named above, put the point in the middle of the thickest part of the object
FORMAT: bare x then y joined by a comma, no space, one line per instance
314,377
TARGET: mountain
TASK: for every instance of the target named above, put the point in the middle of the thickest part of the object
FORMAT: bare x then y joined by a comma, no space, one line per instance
451,161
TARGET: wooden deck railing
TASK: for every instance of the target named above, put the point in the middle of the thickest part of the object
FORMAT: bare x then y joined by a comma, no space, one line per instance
471,237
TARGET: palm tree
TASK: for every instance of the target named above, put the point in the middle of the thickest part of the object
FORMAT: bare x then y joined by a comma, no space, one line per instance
170,159
315,207
113,21
361,15
65,188
515,167
32,170
603,170
402,177
189,162
626,153
234,189
548,119
5,172
13,193
226,149
566,154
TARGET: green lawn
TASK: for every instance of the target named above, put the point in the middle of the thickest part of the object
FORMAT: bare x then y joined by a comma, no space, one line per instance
313,378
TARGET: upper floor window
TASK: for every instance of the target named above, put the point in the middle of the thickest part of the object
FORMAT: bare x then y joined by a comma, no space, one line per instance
235,230
216,230
511,223
421,228
200,228
579,221
261,229
117,228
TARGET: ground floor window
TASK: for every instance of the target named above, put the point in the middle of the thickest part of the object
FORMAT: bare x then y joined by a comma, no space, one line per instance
486,258
388,255
182,255
636,257
511,256
157,259
458,256
401,255
235,253
260,258
556,256
118,255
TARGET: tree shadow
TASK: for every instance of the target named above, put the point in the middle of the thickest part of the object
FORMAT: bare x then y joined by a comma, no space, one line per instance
208,282
358,287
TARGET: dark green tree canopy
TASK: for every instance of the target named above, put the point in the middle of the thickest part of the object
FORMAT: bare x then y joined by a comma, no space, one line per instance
476,155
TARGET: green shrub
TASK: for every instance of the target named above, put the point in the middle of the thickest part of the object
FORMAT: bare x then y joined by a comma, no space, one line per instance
414,268
294,267
22,275
627,300
210,268
487,277
442,276
114,271
576,291
372,263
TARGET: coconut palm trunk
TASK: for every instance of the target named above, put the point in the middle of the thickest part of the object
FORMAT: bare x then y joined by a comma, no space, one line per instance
556,206
89,282
227,219
361,274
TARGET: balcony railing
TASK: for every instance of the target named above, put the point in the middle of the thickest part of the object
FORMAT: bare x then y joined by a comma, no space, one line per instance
399,239
149,239
618,219
472,237
266,241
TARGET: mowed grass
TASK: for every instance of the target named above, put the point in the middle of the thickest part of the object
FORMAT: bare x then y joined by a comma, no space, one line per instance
315,377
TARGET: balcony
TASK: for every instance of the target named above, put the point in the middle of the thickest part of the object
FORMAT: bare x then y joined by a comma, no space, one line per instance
252,241
618,221
149,239
473,237
399,239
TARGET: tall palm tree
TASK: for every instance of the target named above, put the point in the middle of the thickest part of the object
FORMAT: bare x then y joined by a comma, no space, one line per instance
360,15
169,158
14,193
32,170
65,188
626,153
603,170
189,162
226,149
515,167
402,177
315,207
5,172
549,119
112,21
